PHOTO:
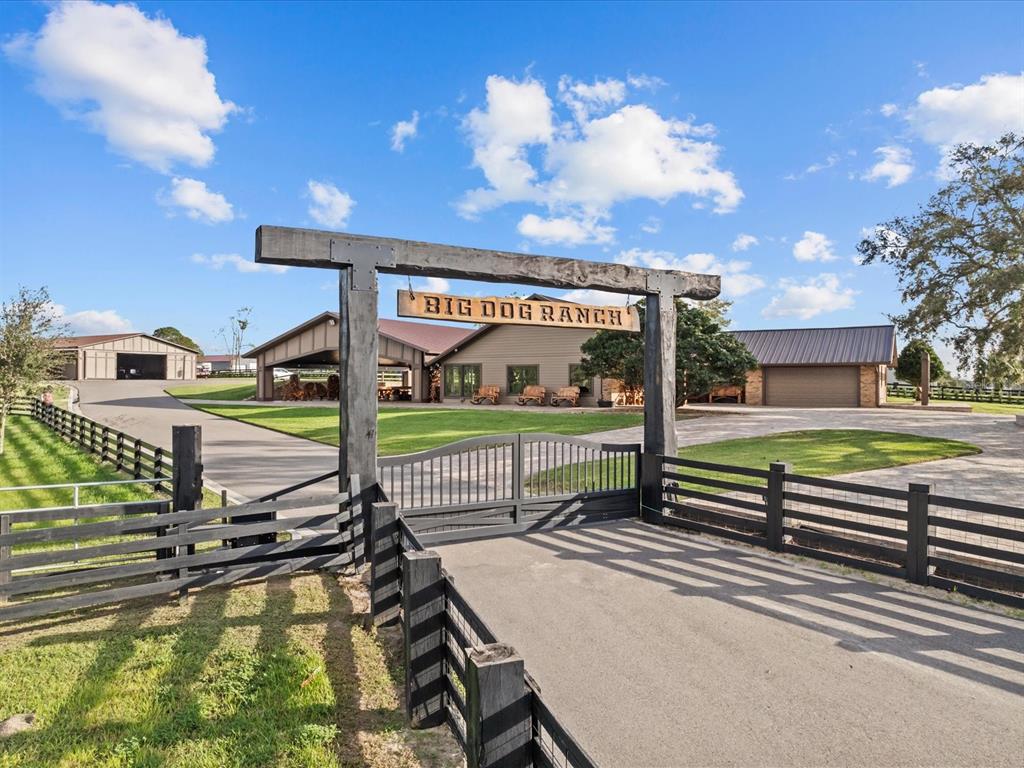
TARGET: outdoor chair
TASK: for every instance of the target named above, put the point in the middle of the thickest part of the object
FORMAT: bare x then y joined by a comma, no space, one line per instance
487,392
321,390
308,390
532,393
566,395
333,388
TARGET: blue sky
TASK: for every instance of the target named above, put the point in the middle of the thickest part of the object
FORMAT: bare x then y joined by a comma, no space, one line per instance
140,146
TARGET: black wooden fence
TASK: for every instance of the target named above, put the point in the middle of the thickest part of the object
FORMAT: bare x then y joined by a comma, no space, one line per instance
484,486
124,452
456,671
141,549
966,394
973,547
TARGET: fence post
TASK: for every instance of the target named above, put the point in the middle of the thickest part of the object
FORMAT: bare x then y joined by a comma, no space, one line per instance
517,478
137,459
186,484
5,554
423,609
651,487
120,451
917,533
774,504
385,550
499,727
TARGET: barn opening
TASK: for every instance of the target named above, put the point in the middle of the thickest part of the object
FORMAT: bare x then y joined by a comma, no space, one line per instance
137,366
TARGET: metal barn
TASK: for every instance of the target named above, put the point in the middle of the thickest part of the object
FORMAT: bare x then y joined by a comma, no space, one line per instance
126,356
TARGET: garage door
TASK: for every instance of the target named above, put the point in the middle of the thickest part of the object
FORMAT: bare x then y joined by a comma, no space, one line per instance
817,387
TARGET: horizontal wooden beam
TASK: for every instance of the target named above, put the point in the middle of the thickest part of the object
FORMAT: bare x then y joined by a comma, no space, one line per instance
316,248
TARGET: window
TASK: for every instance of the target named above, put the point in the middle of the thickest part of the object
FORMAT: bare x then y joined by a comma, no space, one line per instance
520,376
461,380
577,378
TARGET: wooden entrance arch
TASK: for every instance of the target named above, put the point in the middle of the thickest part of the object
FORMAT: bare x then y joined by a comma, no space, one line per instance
358,259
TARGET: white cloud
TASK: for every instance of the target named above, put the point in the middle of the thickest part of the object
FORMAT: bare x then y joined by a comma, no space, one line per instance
580,168
433,284
565,230
895,166
600,298
92,321
829,162
651,225
645,82
736,279
585,100
977,113
218,260
134,79
812,297
744,242
888,110
403,131
814,246
197,201
330,207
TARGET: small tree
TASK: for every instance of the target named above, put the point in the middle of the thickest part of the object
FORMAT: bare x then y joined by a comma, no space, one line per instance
706,355
173,335
29,325
233,335
908,364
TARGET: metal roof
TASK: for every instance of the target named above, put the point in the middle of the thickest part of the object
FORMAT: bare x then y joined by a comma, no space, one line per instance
426,337
861,345
77,342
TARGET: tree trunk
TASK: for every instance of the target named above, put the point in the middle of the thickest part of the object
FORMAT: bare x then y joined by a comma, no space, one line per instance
3,427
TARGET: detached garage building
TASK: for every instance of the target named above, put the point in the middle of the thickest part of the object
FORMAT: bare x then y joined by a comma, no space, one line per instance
126,356
820,367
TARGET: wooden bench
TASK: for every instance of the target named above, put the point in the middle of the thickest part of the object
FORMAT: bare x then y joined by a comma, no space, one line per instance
567,395
487,392
532,393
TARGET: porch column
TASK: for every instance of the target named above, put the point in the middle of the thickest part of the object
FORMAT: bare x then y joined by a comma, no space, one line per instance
264,381
659,392
417,382
357,372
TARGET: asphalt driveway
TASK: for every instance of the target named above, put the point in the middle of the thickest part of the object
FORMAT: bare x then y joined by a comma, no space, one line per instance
665,649
249,461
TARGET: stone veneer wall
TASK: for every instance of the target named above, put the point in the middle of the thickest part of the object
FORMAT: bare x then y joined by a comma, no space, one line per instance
755,389
869,391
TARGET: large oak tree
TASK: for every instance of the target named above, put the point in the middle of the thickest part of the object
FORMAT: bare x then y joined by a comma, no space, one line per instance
960,261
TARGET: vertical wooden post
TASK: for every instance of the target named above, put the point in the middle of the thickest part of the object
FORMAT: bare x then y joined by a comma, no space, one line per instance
659,392
385,575
120,451
137,459
917,533
926,377
186,483
5,554
517,479
357,373
423,635
499,728
774,503
358,511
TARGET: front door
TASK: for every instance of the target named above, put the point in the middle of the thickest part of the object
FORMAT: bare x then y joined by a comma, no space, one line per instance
461,380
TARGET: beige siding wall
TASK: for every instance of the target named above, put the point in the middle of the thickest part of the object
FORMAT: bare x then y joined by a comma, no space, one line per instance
315,339
872,385
99,361
553,349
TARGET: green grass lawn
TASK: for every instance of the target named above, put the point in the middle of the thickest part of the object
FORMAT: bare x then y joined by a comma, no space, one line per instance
997,408
277,673
35,455
816,452
407,430
217,389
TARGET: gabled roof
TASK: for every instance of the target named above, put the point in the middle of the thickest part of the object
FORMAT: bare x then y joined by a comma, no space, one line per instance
77,342
426,337
859,345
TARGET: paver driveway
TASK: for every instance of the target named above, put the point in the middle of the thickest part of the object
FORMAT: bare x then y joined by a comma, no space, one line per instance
664,649
250,461
996,475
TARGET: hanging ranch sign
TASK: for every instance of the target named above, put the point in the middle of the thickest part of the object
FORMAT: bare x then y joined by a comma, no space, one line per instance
510,311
